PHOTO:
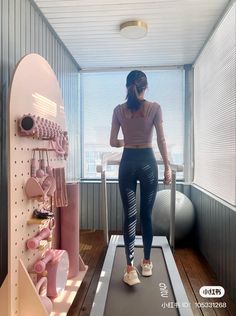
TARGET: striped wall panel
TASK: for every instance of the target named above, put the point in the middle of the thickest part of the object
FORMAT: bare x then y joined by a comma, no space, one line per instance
24,30
90,208
216,236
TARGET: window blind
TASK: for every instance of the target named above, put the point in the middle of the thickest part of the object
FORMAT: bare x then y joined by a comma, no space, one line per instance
215,112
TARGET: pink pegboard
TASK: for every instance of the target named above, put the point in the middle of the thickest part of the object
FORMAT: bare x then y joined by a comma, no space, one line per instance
34,90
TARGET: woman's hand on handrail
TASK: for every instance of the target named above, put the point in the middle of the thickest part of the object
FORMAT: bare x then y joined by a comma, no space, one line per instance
167,175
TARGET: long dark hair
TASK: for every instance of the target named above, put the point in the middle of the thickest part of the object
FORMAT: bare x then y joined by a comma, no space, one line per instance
136,83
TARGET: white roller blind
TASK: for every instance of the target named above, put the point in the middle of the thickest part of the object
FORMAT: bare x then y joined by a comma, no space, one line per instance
215,112
102,91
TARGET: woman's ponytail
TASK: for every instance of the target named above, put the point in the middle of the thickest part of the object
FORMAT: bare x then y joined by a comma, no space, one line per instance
136,83
133,100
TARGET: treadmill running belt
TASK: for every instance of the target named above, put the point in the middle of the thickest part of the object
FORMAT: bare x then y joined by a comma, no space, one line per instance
152,297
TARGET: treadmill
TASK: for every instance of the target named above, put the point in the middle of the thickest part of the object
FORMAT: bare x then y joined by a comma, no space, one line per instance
162,294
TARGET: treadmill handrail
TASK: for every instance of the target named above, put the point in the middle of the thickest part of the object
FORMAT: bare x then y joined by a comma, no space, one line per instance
114,162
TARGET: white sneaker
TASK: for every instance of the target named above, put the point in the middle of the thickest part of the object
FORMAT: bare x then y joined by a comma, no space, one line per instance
131,278
146,268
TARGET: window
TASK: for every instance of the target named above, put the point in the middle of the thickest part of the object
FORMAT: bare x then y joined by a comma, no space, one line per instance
102,91
215,113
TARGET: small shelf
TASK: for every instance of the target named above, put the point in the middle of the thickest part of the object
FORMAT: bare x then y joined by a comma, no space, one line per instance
37,221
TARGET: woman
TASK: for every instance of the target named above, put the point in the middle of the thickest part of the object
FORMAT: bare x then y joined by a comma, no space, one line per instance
137,117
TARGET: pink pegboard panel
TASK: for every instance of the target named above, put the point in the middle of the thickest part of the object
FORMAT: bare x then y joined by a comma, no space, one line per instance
34,90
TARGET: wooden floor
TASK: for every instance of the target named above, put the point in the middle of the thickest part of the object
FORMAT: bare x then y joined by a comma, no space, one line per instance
193,269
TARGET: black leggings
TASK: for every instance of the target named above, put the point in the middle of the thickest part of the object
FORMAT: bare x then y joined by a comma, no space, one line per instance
138,165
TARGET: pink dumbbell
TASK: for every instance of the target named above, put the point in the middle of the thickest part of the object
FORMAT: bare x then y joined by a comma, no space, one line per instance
40,265
34,242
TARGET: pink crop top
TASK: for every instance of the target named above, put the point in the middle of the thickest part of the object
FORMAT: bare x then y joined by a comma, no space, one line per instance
137,127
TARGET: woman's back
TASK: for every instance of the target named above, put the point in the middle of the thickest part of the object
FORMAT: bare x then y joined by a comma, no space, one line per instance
137,126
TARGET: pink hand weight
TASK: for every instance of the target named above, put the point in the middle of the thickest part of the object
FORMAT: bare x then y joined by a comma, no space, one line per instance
40,265
34,242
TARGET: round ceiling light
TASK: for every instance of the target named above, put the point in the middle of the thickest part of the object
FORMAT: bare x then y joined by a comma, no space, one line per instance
134,29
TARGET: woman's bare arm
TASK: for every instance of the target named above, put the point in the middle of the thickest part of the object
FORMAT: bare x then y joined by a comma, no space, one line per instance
115,127
161,142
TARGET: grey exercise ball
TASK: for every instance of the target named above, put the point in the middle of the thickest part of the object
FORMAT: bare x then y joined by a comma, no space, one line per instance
184,215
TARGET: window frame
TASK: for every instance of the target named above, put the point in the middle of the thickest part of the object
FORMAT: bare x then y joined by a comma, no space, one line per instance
185,154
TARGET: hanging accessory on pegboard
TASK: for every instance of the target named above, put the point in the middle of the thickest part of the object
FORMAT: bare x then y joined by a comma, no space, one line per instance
48,168
32,125
60,196
61,144
41,184
33,188
33,166
43,214
40,172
